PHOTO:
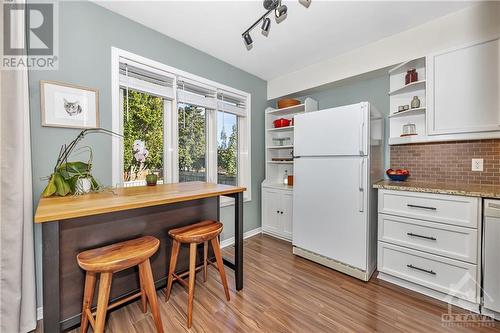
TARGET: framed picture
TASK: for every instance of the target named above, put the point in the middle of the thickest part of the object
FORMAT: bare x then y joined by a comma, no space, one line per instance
67,105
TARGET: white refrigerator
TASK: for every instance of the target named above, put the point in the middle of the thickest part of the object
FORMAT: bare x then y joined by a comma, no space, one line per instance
338,155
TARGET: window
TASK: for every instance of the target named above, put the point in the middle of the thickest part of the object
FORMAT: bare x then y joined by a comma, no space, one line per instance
227,148
192,143
177,125
145,97
142,136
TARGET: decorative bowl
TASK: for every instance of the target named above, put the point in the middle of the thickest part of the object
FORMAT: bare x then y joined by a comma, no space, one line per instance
399,175
287,102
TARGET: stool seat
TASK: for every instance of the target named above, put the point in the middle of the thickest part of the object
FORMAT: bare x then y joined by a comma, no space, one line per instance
197,233
120,256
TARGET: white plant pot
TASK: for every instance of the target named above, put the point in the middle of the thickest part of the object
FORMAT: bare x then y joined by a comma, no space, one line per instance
83,185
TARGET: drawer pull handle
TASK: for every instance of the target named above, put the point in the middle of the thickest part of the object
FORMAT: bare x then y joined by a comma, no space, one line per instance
430,271
421,207
420,236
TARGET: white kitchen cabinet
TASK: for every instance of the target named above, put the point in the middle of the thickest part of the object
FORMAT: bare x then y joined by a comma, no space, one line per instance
431,243
464,89
277,212
286,216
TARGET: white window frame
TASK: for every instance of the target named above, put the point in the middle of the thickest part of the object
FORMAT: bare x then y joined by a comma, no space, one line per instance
171,127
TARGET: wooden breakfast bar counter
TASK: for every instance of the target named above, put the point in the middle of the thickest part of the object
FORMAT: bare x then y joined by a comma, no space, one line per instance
77,223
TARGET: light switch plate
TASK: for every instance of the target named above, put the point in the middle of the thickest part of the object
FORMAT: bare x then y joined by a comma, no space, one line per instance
477,164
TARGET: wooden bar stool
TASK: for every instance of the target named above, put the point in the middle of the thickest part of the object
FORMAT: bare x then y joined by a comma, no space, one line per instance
195,234
111,259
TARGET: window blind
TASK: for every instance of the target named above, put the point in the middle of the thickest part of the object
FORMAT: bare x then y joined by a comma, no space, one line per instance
196,93
231,103
146,79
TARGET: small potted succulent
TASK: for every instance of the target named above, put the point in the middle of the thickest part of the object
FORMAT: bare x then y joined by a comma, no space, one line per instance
151,179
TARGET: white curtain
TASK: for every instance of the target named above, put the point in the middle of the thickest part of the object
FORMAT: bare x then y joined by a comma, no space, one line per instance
17,266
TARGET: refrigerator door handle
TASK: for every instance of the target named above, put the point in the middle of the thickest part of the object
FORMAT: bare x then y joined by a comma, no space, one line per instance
361,186
361,139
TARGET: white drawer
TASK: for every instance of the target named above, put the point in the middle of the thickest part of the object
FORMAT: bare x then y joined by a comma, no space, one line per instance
450,209
437,238
445,275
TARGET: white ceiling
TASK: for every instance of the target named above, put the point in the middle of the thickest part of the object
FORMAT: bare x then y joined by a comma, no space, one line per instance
307,36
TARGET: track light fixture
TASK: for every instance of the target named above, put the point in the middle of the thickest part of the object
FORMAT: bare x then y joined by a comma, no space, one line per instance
248,39
266,25
271,4
280,12
305,3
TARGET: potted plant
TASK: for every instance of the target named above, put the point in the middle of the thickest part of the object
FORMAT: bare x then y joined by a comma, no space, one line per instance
73,177
151,178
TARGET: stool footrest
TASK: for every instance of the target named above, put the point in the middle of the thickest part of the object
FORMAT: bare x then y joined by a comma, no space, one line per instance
182,275
124,300
179,278
90,316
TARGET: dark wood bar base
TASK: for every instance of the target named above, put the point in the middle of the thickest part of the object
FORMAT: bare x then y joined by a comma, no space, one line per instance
64,239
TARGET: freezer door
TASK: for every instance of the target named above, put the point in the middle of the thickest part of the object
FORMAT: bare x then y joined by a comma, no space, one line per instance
491,269
330,207
337,131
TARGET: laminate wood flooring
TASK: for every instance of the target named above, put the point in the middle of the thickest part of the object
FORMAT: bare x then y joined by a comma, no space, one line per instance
285,293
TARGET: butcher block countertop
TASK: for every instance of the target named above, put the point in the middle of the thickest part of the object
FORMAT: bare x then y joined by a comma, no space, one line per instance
470,190
60,208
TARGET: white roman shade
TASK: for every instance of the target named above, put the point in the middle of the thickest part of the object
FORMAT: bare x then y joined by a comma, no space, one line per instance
146,79
231,103
196,93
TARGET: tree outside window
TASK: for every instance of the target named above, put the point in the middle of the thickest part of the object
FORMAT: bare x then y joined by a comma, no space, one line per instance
192,143
143,136
227,148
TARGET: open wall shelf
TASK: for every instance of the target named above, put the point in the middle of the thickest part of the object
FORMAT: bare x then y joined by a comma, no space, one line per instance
407,112
276,169
408,88
402,94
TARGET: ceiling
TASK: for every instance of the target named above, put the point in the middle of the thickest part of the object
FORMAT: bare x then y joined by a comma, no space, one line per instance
307,36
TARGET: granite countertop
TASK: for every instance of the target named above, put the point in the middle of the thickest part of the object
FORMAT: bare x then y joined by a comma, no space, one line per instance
471,190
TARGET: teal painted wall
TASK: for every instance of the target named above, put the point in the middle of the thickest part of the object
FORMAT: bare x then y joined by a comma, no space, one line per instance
86,34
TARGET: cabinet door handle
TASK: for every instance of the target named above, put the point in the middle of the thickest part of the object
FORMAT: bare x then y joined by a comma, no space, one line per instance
430,271
277,212
420,236
281,213
421,207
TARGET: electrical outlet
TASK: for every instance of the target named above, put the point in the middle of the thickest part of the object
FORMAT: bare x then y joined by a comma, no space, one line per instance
477,164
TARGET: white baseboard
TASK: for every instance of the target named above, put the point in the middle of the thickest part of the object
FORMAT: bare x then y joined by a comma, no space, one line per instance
224,243
248,234
39,313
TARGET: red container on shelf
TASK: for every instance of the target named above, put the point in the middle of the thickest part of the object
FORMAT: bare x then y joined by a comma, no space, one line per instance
282,122
411,76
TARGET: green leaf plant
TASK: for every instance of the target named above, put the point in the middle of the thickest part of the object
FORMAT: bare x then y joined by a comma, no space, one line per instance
64,179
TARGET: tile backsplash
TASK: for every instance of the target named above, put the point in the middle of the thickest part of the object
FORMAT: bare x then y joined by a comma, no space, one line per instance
449,161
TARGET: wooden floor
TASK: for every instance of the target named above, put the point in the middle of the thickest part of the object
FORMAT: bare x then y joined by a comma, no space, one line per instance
284,293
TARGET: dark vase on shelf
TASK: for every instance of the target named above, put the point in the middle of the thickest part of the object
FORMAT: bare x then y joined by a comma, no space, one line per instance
151,179
414,76
411,76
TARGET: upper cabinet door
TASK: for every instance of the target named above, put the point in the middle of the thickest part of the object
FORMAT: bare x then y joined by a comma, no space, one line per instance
464,89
